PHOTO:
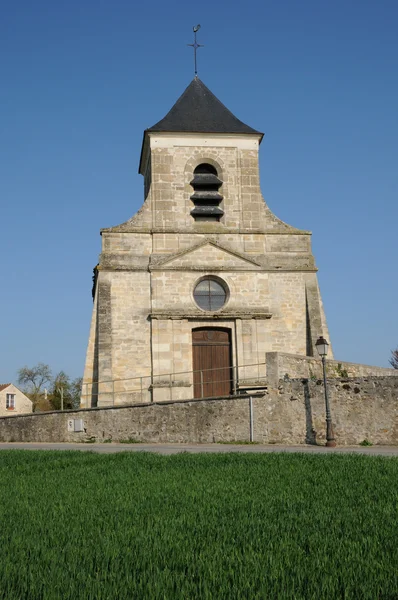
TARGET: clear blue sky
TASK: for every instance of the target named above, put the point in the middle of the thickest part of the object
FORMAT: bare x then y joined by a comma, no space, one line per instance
81,80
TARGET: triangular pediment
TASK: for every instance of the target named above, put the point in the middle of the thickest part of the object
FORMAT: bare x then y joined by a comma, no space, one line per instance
209,255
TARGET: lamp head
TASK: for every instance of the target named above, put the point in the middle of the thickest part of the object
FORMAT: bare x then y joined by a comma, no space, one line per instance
322,346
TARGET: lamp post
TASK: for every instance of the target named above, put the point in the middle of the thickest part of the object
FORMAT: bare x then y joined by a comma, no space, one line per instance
322,347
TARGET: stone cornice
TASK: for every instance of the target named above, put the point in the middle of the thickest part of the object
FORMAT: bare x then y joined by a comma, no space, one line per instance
130,228
203,269
196,315
105,267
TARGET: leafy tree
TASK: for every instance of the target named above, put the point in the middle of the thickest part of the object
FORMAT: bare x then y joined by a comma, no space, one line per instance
62,385
34,379
76,391
394,358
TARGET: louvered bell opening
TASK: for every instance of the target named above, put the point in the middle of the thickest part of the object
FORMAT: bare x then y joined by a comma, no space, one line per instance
207,213
206,196
206,180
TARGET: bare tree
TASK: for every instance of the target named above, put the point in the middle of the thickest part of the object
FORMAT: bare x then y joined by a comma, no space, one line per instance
394,358
34,380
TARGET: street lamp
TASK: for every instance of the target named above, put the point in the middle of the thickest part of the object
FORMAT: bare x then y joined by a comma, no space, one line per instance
322,346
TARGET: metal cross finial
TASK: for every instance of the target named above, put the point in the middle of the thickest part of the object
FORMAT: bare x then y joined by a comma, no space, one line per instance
195,46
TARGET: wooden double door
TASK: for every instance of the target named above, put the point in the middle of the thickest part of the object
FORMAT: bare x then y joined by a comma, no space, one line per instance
212,362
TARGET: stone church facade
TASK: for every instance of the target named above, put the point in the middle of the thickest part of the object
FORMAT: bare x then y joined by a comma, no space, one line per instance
195,289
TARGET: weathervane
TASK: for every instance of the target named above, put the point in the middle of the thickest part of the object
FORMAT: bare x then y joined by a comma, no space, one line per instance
195,46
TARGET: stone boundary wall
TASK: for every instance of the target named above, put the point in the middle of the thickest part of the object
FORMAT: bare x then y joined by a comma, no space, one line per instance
294,366
292,413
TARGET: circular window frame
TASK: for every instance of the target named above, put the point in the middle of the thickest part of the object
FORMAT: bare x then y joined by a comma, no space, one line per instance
218,280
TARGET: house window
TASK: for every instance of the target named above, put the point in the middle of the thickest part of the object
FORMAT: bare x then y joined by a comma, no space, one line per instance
10,401
210,294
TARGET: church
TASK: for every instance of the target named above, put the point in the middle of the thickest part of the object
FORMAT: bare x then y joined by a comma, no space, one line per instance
193,291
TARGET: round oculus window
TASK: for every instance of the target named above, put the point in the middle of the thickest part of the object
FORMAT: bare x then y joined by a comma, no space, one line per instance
210,294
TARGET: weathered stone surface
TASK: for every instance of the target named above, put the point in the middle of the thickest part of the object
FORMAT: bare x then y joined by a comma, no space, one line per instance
292,413
291,366
145,311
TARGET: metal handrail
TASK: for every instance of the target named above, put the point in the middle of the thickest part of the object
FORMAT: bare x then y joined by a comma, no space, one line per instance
146,383
180,373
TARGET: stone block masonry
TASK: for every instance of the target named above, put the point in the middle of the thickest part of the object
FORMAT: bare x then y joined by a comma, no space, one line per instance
292,366
293,412
145,311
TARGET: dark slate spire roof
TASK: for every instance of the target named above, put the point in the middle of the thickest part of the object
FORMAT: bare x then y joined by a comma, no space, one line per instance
199,111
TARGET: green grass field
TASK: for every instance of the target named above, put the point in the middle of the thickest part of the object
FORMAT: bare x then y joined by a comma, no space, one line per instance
226,526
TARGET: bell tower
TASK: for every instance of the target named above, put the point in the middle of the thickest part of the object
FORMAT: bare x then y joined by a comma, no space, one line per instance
204,273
